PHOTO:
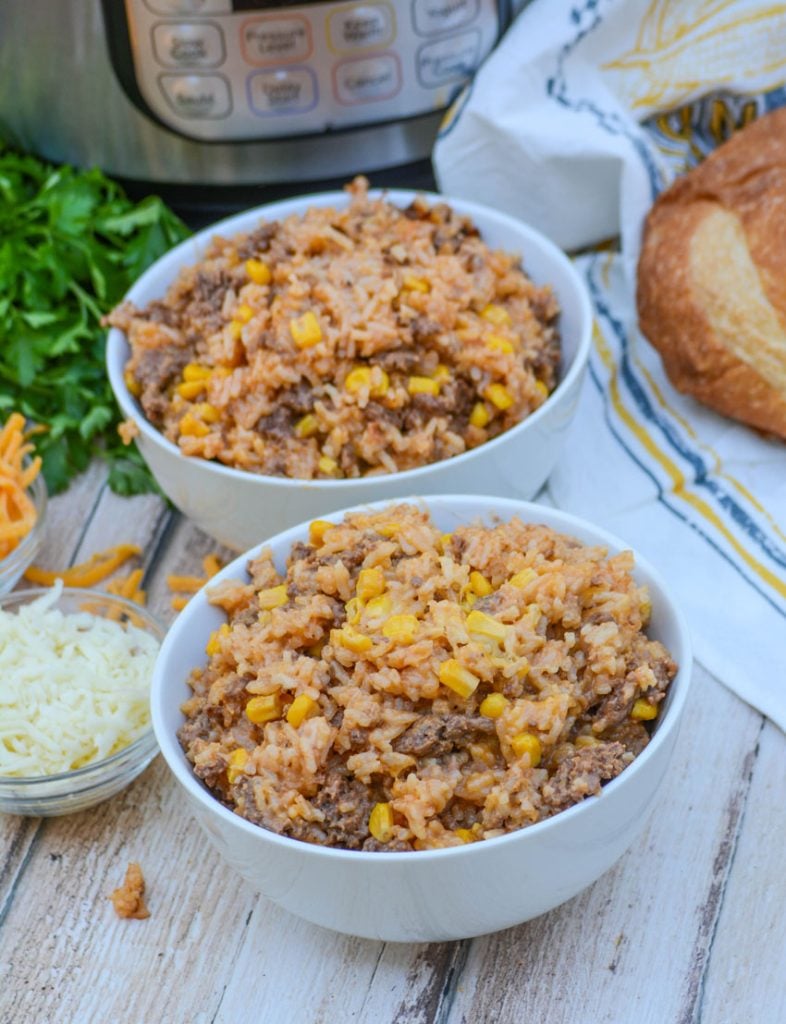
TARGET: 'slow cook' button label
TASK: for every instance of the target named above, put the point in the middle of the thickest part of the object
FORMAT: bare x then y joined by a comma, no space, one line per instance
282,91
197,96
270,40
361,26
188,45
368,79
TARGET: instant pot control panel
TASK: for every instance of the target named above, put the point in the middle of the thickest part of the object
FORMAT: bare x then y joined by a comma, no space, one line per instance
235,70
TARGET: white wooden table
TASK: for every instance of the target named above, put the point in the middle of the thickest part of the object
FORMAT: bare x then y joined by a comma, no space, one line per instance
690,926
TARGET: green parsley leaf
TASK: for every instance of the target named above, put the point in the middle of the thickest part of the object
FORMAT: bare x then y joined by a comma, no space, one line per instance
71,245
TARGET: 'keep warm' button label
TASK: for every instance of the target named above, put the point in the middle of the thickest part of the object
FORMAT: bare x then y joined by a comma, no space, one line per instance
283,91
361,27
368,79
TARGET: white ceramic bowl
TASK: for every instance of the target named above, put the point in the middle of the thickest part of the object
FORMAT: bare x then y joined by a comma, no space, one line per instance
434,894
239,508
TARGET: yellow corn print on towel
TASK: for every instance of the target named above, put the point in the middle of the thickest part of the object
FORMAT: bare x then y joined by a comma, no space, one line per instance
584,113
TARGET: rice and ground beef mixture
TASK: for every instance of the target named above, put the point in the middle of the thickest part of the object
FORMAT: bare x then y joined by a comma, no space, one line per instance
402,689
341,343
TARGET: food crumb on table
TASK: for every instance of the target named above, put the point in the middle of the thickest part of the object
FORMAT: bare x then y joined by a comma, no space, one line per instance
129,899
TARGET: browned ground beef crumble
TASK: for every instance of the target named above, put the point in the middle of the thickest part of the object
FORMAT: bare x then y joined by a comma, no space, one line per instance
558,683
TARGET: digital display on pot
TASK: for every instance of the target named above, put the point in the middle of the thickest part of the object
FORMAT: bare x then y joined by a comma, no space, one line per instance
241,70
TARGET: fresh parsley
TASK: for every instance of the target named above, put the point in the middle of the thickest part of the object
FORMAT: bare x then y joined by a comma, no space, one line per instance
71,244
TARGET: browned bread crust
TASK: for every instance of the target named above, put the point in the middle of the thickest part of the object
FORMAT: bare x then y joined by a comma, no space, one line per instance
711,288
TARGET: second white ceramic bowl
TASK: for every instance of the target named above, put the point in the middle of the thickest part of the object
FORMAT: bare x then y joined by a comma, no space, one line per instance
433,894
239,508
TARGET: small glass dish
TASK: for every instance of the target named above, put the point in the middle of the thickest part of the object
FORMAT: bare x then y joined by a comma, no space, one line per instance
13,565
76,790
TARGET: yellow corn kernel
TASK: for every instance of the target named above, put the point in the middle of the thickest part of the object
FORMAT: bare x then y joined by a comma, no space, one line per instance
307,426
479,417
445,540
235,329
214,643
190,426
496,315
244,313
380,383
499,396
300,708
585,741
422,386
353,609
388,529
191,388
207,412
305,330
317,530
273,597
236,761
258,271
643,711
466,835
498,344
358,379
541,388
646,610
194,371
459,679
442,374
327,465
352,639
469,600
479,584
527,743
416,284
521,579
493,705
380,822
371,583
379,607
264,709
133,385
401,629
484,625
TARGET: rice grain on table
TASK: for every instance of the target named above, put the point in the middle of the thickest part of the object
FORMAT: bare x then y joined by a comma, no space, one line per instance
340,343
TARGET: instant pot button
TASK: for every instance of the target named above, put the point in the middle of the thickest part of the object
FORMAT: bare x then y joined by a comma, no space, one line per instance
197,97
368,79
274,40
188,45
361,26
448,60
189,6
434,16
282,91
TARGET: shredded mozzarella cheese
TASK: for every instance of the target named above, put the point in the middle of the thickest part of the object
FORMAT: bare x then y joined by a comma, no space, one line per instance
74,688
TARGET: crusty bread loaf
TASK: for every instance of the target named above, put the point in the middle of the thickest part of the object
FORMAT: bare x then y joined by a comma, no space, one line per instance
711,290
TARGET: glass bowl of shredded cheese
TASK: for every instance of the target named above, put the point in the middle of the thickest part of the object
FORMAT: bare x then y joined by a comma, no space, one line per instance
75,672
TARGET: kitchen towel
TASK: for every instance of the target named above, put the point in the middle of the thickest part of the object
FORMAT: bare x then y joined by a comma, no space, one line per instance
584,113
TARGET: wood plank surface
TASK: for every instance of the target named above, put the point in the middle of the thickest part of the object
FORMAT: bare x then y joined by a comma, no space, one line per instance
689,927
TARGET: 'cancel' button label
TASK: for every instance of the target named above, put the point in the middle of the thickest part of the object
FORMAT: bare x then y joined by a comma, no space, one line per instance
367,80
283,91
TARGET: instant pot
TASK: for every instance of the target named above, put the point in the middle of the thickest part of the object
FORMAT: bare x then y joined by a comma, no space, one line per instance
237,93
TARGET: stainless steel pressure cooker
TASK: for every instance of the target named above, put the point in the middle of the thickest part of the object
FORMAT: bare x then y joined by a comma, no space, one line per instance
227,92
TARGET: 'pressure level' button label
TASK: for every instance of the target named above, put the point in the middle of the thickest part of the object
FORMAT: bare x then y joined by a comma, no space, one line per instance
274,40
